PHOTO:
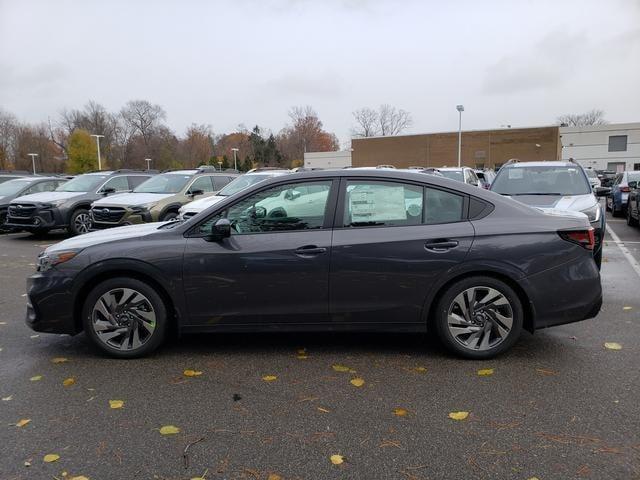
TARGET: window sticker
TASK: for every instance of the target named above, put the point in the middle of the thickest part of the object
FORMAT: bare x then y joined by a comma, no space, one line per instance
372,203
516,174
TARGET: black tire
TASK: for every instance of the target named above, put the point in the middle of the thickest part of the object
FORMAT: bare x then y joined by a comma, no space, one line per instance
606,205
632,222
597,257
154,340
78,222
446,302
169,216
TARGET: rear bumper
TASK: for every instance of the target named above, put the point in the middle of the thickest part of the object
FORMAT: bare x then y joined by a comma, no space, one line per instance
567,293
49,303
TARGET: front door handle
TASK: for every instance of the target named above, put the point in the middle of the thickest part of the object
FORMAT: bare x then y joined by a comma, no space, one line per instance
310,250
440,245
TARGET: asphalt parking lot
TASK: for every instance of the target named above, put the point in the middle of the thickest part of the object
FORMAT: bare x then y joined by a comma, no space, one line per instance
557,406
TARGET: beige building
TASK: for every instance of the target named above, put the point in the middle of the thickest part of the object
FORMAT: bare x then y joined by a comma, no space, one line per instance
480,148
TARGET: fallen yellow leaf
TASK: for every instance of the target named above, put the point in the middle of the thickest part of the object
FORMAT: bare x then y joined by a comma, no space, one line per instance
485,372
3,323
420,369
357,382
67,382
274,476
323,410
269,378
36,378
458,415
627,308
302,357
116,403
400,412
613,346
192,373
545,372
169,430
50,457
79,477
340,368
23,422
533,478
59,360
337,459
6,399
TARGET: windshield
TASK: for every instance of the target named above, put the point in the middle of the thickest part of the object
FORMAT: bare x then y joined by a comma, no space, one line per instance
542,180
241,183
165,183
453,174
13,186
83,183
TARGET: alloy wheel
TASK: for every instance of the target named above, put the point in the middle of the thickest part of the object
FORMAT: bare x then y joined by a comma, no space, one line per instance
82,223
480,318
123,318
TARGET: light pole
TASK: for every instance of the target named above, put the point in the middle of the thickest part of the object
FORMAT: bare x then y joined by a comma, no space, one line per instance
460,109
148,160
33,161
98,137
235,160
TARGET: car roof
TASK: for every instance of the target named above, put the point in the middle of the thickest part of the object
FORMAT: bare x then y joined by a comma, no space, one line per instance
37,179
452,169
551,163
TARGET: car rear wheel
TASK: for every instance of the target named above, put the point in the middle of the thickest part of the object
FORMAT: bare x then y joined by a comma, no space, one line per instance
630,220
125,318
169,216
80,222
479,317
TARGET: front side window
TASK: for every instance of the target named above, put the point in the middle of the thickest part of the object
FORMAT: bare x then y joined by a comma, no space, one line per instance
12,187
379,203
202,183
295,206
119,184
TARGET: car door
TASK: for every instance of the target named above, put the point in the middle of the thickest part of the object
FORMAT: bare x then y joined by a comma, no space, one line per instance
273,269
391,242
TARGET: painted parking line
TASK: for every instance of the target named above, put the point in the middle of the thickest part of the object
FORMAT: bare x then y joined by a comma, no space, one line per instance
625,251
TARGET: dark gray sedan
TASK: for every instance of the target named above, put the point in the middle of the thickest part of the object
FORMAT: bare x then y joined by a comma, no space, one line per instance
348,250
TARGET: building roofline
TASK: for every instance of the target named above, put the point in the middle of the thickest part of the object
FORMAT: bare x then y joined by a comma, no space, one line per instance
455,132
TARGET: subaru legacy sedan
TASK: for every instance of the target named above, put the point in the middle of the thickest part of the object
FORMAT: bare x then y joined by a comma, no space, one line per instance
365,250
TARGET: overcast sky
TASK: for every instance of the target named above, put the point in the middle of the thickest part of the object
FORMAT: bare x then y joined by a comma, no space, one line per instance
248,61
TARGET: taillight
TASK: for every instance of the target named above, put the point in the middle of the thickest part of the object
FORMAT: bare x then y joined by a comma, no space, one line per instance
625,189
585,238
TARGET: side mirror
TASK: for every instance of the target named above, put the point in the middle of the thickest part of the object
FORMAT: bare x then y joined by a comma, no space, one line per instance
291,194
602,191
633,185
193,193
219,230
108,190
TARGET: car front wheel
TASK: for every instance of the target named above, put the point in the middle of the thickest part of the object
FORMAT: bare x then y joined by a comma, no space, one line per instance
125,318
479,317
80,222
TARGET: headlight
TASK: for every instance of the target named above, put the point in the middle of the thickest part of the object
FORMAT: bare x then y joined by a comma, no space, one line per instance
48,260
144,206
593,213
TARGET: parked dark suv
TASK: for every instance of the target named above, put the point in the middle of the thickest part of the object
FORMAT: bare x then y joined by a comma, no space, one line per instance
334,250
21,186
68,205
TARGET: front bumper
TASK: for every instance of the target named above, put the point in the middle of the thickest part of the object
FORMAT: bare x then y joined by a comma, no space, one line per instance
118,217
34,218
50,303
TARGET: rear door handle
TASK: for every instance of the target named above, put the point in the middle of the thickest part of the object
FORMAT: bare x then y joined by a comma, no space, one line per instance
310,250
440,245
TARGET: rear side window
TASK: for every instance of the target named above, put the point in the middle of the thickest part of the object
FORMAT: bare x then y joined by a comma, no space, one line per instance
443,206
379,203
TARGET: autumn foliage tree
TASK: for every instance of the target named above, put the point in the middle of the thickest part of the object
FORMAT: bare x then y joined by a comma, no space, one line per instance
82,152
304,134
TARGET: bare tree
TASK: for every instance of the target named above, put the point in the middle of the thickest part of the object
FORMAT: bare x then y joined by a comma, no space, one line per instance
388,120
592,117
143,117
8,131
392,120
366,123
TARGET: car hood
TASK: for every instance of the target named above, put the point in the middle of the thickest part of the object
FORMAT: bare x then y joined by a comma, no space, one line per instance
104,236
46,197
558,202
201,203
132,199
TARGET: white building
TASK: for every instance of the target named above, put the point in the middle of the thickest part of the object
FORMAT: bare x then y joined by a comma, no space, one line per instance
605,147
338,159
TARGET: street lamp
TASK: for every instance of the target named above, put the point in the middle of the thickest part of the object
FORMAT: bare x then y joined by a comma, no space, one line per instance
460,109
148,160
33,161
98,137
235,160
